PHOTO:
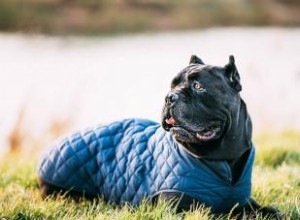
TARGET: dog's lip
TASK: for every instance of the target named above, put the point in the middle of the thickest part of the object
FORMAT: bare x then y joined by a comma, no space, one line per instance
209,133
203,135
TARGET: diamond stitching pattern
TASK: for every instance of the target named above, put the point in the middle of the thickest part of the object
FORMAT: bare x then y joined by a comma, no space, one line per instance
127,161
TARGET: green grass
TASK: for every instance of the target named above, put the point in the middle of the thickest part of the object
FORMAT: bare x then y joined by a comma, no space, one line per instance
276,183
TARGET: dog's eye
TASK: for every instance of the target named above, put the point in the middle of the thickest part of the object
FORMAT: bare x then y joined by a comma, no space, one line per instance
198,86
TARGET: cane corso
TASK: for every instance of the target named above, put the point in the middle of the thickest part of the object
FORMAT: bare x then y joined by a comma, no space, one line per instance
205,113
201,154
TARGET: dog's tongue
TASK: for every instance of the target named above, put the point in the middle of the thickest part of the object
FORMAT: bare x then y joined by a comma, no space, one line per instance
170,121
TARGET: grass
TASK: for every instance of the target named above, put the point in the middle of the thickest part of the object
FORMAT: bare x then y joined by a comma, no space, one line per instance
276,183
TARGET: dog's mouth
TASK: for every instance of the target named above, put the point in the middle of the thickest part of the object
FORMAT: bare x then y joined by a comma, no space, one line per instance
203,134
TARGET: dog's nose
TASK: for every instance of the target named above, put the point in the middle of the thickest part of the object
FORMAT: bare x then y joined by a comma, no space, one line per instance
171,98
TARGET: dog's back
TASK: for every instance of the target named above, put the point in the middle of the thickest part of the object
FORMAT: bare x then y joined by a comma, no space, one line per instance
103,161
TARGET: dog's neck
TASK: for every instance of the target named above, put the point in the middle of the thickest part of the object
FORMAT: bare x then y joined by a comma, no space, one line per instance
234,143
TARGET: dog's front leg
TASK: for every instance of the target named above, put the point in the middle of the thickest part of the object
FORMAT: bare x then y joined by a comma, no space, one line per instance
252,208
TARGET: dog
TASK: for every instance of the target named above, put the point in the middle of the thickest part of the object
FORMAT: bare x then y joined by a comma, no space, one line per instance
201,153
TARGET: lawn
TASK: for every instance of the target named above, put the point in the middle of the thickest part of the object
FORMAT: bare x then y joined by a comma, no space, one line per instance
276,182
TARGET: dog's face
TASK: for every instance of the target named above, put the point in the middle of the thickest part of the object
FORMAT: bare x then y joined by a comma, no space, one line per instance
199,107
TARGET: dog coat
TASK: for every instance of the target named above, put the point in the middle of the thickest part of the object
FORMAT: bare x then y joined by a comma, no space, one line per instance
135,159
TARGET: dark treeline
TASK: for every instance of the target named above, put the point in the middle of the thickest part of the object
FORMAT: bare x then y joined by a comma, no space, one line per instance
118,16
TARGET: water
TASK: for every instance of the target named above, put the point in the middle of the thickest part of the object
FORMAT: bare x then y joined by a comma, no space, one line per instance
94,80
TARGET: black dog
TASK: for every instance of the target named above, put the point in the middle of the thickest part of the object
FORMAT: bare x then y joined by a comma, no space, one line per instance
205,113
212,164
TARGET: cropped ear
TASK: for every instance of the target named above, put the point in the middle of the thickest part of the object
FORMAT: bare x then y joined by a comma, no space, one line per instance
232,74
196,60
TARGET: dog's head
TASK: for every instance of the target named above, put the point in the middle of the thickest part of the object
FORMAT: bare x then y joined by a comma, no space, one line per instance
203,102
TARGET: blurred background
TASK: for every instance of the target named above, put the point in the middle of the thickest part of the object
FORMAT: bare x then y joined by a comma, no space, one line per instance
69,64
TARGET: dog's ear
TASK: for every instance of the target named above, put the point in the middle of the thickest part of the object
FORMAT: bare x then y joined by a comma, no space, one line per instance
232,74
195,60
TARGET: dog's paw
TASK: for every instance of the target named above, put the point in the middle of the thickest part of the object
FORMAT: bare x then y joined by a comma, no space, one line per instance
272,213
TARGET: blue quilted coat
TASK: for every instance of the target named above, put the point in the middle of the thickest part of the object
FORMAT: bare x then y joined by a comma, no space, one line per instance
134,159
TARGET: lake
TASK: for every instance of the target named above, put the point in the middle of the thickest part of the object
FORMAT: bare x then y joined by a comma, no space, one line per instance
91,80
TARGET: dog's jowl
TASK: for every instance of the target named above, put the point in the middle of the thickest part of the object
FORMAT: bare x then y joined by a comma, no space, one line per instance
201,153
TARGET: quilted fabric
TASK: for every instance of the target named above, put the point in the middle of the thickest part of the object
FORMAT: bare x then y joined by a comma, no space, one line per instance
134,159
